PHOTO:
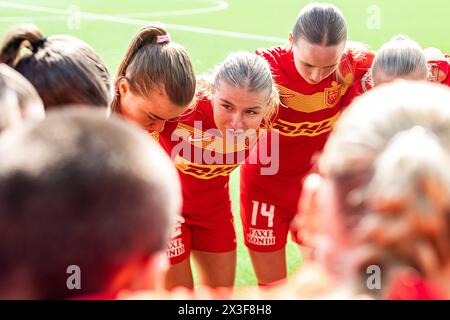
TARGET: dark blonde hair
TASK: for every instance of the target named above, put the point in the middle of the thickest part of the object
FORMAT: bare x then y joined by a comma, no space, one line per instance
63,69
388,158
152,62
322,24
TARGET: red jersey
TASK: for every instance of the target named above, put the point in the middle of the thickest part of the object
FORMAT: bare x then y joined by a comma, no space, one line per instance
444,66
307,113
360,86
447,79
410,286
204,161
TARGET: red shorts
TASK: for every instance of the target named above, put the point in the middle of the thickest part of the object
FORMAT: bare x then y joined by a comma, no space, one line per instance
267,212
217,238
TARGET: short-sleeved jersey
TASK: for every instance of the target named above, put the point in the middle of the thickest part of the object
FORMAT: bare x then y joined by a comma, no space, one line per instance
204,160
307,113
359,86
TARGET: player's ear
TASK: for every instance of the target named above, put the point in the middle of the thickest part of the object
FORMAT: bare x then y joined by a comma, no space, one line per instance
124,86
291,39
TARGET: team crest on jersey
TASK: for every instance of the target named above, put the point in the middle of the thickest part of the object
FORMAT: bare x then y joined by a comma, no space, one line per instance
332,95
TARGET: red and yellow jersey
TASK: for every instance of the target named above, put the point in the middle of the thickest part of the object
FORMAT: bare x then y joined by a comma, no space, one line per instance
360,86
307,113
204,159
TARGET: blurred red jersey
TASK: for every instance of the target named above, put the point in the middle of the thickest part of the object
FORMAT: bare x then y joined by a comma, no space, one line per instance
410,286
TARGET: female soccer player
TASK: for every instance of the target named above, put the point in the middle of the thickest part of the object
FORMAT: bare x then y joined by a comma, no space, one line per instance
155,81
381,199
82,192
63,69
206,146
313,74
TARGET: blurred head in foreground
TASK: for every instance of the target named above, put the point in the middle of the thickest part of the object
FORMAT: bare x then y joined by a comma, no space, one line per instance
382,198
82,192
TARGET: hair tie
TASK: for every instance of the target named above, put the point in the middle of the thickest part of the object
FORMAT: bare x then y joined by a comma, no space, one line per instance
38,44
165,38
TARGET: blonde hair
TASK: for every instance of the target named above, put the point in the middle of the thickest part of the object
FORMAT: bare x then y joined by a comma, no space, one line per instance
400,57
152,62
388,159
244,70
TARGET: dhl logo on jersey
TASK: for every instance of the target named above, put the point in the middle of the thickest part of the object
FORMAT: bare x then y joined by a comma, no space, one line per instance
203,171
316,102
310,129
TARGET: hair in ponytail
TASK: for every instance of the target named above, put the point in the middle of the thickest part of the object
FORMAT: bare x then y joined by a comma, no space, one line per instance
63,69
322,24
152,62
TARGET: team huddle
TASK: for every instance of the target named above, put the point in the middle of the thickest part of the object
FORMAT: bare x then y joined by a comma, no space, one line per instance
128,178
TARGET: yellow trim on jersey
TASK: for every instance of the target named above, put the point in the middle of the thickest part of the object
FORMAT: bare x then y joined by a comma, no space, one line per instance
315,102
155,135
310,129
203,171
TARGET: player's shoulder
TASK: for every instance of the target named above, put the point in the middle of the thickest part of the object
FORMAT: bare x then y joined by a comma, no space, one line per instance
359,54
273,54
357,59
204,109
201,112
